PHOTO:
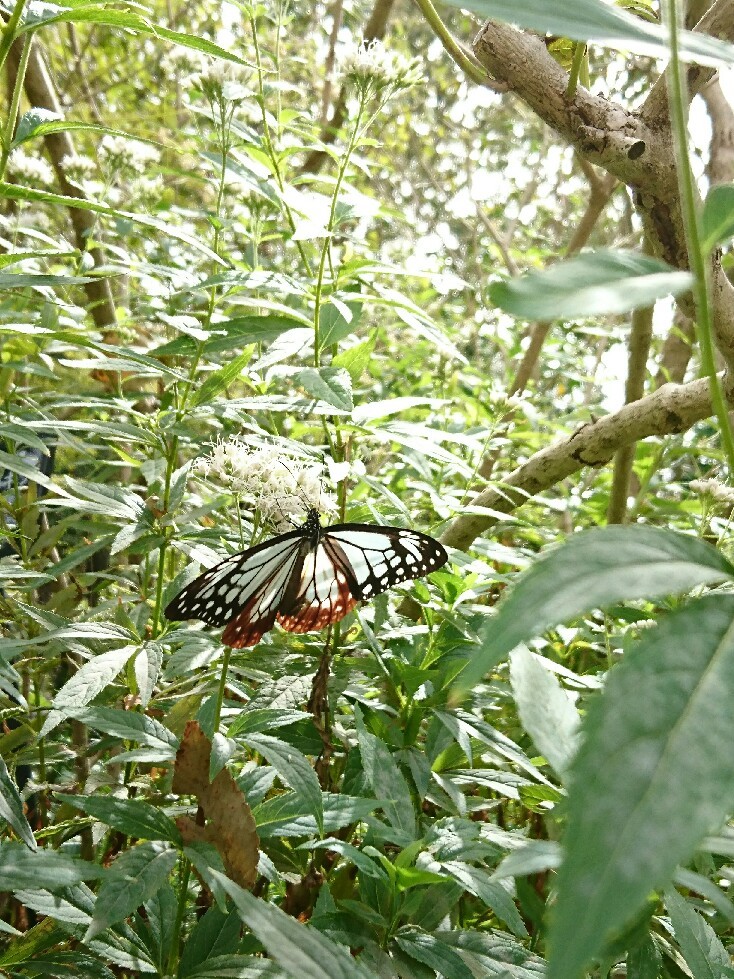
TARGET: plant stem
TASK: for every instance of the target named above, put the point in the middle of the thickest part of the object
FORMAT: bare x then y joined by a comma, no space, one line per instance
699,262
184,876
222,685
7,136
9,31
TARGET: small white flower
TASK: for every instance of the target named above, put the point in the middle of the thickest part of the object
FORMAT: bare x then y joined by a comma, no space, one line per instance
31,169
78,167
716,490
122,153
372,68
280,488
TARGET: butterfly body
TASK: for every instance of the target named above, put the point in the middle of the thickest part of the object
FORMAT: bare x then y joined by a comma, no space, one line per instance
305,579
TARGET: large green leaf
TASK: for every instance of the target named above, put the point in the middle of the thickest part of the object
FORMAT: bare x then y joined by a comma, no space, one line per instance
591,284
652,777
295,770
704,954
131,816
602,23
595,569
299,949
133,879
388,783
20,867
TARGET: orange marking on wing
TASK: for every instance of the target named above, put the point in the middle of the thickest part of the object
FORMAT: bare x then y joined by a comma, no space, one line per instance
309,618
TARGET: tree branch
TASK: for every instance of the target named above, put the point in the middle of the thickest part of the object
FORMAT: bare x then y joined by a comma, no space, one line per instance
672,408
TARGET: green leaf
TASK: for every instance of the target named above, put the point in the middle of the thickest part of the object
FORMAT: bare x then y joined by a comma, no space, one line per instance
330,384
432,952
356,359
214,935
20,866
546,711
718,216
480,883
131,726
42,122
649,780
11,807
221,379
133,879
644,961
88,681
591,284
600,23
299,949
705,956
126,21
595,569
287,345
15,192
386,780
286,815
131,816
294,769
23,280
337,322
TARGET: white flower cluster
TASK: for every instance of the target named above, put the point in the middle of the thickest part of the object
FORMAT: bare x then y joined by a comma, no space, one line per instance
122,153
30,169
714,489
215,77
282,490
78,168
373,68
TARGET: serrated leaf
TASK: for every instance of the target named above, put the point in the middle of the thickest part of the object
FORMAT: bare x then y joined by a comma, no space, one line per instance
19,866
330,384
88,681
131,880
704,954
594,569
11,807
299,949
131,726
287,345
596,283
131,816
386,780
546,711
429,950
41,122
147,667
649,780
294,769
601,23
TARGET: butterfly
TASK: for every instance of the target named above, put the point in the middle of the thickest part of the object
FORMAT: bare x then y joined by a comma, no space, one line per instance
305,579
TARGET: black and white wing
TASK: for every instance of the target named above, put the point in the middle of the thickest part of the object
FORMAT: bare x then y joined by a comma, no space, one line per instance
246,591
375,558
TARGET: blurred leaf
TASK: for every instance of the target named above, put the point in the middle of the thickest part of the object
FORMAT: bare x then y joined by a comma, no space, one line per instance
595,569
596,283
717,218
219,380
20,866
546,710
648,749
356,359
601,23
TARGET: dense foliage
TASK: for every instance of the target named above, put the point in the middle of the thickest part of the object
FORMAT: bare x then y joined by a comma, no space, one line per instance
250,266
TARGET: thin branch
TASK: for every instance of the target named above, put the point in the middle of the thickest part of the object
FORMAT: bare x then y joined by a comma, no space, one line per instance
639,350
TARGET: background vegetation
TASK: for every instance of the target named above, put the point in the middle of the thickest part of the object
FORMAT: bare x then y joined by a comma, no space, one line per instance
425,273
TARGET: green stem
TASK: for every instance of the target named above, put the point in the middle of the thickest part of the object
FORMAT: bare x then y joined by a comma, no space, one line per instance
222,685
184,875
678,98
579,55
467,64
9,31
325,248
7,136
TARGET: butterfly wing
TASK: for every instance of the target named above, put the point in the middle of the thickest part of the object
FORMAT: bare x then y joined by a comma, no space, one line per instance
374,558
324,594
245,591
